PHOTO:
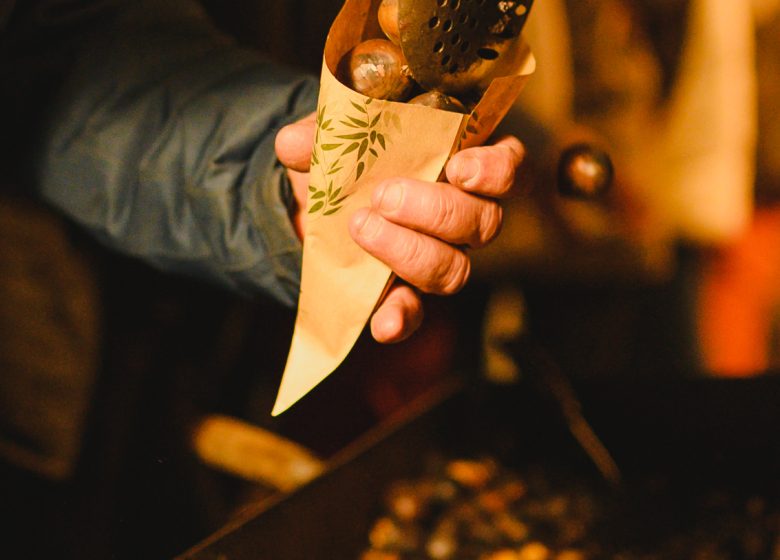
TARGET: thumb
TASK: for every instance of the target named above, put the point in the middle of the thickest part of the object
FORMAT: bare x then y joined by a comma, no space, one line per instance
294,143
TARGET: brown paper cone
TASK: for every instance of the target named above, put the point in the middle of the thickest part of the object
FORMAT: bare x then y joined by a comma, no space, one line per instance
360,142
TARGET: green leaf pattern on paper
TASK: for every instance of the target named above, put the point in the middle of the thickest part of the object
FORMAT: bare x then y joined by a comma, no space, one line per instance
346,146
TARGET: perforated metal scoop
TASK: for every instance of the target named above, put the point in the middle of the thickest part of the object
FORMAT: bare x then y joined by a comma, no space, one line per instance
459,46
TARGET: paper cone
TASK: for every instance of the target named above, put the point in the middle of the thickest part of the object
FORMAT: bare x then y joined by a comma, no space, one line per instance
360,142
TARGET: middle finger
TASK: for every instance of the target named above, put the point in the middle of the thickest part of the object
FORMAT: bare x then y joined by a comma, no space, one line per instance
428,263
439,210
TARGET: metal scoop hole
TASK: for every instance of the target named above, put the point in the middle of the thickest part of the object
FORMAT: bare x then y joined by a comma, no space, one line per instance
487,54
465,41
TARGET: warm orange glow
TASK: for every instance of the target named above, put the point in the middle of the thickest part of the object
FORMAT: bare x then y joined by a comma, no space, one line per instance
739,298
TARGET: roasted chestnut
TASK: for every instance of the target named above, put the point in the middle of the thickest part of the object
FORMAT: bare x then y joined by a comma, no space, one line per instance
439,100
377,68
388,20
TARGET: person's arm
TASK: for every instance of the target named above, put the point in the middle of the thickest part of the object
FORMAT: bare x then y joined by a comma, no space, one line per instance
161,143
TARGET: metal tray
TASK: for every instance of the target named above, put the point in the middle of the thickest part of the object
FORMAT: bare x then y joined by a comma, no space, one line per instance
693,433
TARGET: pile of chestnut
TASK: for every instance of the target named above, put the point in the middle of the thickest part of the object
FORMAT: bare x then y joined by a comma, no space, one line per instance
377,68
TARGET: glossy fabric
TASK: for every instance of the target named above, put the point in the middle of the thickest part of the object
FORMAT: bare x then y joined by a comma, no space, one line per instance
152,130
162,144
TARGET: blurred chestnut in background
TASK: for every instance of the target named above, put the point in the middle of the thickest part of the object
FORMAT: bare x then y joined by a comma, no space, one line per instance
584,171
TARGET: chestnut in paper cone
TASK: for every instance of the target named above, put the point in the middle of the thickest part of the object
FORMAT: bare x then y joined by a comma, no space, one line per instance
377,68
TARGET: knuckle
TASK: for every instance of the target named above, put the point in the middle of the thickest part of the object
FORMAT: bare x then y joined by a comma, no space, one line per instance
456,274
444,213
414,254
504,174
490,220
280,139
516,147
416,310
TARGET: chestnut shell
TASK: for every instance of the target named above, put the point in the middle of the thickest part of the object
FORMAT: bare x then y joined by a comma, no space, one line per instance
388,20
377,68
439,100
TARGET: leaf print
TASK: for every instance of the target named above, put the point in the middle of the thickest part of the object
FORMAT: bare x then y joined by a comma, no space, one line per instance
347,146
396,120
351,148
358,122
354,136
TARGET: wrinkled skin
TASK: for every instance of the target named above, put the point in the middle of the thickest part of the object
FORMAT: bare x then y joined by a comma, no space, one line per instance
421,230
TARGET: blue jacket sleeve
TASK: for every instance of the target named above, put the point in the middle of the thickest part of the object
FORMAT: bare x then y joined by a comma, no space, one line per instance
161,144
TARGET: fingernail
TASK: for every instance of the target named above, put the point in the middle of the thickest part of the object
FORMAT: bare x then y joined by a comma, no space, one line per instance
367,225
390,196
468,170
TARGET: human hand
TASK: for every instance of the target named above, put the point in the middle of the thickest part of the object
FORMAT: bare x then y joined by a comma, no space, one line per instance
420,229
293,147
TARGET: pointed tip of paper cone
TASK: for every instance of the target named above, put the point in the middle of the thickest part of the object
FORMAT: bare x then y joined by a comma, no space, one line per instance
278,409
288,394
283,402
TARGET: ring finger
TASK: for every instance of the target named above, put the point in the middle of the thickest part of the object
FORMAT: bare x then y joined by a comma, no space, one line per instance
439,210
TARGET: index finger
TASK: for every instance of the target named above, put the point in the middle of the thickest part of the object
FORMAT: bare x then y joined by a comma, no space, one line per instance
488,170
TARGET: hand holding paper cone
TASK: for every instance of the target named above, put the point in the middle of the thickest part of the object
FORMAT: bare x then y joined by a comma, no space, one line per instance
434,220
375,206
